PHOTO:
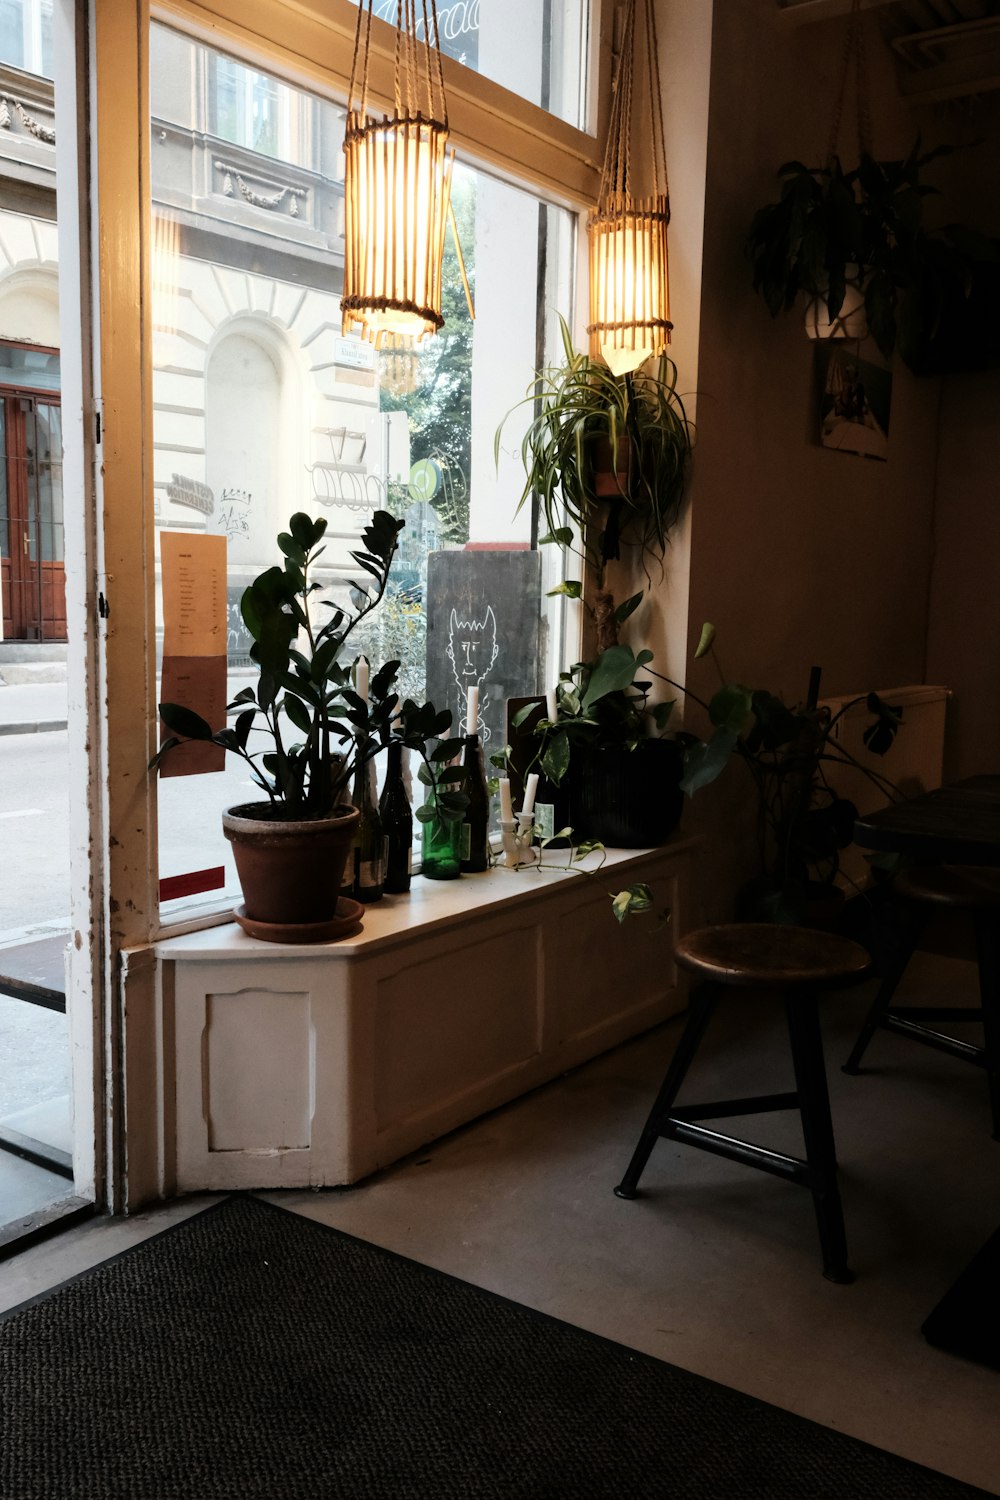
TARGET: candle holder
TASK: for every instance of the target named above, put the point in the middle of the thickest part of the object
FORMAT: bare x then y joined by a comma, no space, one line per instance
517,847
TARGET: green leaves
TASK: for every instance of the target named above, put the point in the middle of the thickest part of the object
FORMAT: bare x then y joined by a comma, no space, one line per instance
730,708
613,671
631,901
555,758
704,762
570,587
706,641
184,721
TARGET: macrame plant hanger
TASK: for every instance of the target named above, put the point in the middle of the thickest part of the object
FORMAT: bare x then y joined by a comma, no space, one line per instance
397,187
849,321
627,233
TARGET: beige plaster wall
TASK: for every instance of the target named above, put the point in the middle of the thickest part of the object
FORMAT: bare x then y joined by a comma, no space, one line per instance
963,638
799,555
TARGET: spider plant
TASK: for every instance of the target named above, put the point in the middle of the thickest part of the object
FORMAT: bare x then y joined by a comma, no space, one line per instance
606,455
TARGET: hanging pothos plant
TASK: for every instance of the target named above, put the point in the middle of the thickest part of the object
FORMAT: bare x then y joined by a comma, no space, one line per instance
832,230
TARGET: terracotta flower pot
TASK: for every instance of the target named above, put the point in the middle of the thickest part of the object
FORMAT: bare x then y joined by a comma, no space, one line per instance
291,873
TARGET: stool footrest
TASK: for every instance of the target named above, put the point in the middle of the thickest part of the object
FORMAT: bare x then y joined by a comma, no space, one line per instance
892,1021
724,1109
750,1155
961,1013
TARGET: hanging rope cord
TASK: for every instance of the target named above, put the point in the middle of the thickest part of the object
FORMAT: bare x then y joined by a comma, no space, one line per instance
854,52
616,172
416,69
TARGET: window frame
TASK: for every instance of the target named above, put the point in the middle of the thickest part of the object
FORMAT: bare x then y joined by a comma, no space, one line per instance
492,129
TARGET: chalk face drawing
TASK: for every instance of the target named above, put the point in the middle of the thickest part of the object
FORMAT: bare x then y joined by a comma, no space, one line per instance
472,650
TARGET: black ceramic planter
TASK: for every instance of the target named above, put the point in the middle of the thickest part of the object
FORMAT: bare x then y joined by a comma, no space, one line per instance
627,799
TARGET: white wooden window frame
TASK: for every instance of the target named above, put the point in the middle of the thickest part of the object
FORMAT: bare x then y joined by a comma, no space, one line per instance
492,128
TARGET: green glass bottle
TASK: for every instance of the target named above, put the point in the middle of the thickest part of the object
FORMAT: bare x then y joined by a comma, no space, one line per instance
476,823
442,852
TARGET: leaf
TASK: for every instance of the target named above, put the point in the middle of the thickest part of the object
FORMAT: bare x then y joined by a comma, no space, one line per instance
425,775
662,713
630,605
613,672
706,642
243,726
184,721
555,758
704,762
730,707
523,714
560,535
299,714
571,587
631,901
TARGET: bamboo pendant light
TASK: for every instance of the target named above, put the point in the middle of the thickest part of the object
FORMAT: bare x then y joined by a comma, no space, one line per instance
397,186
627,233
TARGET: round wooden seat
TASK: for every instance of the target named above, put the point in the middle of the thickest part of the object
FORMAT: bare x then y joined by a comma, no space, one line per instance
764,953
961,887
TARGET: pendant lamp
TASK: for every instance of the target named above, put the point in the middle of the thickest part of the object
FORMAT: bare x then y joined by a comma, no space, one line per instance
397,186
627,232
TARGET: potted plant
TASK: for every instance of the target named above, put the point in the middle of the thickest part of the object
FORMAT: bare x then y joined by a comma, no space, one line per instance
608,458
854,243
802,823
292,845
603,747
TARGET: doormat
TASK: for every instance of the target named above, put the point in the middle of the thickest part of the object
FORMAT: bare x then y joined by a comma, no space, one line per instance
250,1352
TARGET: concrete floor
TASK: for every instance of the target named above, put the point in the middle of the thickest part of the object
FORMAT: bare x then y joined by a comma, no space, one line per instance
715,1268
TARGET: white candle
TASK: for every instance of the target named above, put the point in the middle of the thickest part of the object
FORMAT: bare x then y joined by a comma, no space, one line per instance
361,678
551,712
530,788
472,711
506,811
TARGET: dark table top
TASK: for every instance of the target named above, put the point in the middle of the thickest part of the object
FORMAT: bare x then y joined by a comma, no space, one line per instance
957,824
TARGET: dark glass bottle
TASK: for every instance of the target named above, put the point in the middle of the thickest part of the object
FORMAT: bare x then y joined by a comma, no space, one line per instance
397,823
476,823
369,852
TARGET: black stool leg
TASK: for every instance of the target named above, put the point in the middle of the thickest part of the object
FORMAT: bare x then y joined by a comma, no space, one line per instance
817,1128
702,1005
887,989
988,948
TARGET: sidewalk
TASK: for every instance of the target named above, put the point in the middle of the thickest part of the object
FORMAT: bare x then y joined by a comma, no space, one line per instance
32,707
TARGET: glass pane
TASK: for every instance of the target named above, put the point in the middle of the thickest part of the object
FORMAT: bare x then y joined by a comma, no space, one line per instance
4,492
249,108
263,408
45,460
537,50
12,17
28,369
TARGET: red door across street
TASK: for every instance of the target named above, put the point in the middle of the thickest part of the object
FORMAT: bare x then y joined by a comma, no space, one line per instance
32,569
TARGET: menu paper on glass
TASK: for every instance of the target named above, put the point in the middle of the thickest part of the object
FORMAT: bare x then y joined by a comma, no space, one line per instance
194,643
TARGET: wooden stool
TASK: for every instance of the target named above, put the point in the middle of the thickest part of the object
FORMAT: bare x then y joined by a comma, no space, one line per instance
799,962
955,888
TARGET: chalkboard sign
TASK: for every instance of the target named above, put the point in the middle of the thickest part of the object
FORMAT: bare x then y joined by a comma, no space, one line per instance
483,631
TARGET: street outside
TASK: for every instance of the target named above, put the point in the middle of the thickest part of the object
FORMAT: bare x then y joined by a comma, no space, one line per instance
34,867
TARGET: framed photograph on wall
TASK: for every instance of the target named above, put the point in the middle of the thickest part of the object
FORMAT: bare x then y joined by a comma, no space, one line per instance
855,398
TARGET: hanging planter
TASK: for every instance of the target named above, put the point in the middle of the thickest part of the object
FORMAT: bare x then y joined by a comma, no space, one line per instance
850,322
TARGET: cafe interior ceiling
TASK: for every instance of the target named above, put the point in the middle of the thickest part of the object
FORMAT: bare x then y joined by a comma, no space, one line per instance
947,49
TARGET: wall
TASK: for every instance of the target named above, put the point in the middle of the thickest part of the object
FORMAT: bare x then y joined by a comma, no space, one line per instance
963,643
799,555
